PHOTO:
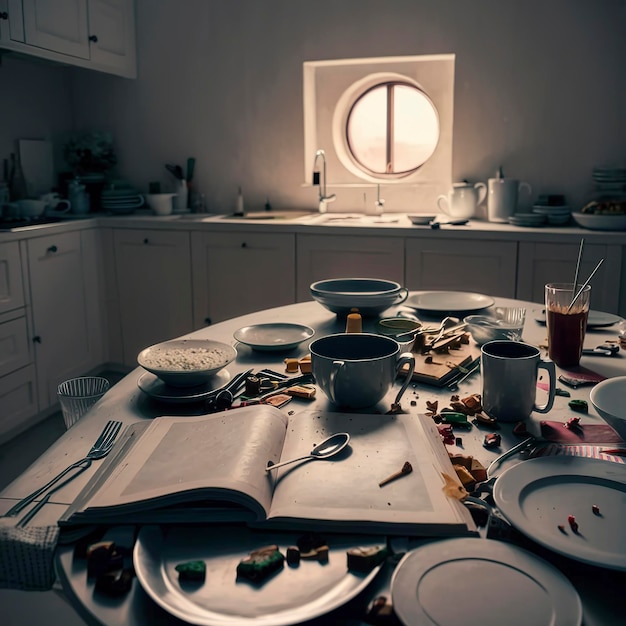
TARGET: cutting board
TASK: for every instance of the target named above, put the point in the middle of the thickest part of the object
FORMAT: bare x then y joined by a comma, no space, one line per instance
444,365
37,166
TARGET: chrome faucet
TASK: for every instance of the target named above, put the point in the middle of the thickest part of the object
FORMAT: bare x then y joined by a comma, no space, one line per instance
323,198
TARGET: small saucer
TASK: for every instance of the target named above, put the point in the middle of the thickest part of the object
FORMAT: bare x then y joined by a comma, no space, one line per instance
154,387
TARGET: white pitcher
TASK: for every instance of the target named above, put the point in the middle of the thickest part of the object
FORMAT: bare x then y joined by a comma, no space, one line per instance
462,199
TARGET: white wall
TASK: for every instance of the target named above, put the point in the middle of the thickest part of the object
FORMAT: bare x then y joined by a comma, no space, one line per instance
539,86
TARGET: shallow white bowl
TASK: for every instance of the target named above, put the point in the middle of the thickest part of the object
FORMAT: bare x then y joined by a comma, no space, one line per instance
186,362
607,399
421,220
371,296
600,222
504,323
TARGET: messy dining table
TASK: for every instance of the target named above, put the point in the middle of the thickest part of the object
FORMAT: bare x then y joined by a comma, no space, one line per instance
599,588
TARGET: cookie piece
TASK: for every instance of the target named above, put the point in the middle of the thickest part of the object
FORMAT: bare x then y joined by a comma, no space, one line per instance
364,559
261,563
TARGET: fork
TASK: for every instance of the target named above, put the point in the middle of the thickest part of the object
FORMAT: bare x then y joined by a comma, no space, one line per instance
101,447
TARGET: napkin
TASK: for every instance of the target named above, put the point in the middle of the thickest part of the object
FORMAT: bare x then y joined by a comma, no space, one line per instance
26,556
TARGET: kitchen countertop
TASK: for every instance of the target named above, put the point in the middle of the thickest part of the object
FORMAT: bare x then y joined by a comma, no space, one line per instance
390,224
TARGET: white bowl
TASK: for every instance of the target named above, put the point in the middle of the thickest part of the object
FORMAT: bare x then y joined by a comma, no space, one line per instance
421,220
161,203
186,362
371,296
607,399
600,222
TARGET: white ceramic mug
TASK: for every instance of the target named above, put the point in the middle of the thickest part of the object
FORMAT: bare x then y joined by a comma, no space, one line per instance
509,371
462,200
356,370
55,205
503,196
30,207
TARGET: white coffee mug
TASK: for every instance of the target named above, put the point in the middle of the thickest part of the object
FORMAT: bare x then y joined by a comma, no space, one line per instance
30,207
161,203
356,370
55,205
509,371
462,200
502,198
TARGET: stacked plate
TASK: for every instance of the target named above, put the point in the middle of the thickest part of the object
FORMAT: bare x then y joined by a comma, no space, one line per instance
610,181
556,215
121,200
527,219
370,296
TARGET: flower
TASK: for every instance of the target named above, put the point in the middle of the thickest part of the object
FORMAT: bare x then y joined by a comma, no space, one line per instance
90,152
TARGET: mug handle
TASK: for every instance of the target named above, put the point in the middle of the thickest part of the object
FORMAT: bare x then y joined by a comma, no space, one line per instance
406,358
550,368
443,207
332,381
63,209
482,192
403,295
525,186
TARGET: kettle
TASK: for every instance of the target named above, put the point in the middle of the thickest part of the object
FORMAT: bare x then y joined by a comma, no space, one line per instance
463,199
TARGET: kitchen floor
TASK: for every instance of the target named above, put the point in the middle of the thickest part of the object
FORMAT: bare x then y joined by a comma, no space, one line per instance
24,608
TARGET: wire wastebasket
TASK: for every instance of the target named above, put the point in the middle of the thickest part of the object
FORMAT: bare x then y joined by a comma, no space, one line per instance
78,395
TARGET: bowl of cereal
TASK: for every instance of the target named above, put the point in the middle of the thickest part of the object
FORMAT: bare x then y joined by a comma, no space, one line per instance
186,362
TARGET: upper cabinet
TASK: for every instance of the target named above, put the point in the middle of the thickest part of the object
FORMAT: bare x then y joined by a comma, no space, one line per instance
95,34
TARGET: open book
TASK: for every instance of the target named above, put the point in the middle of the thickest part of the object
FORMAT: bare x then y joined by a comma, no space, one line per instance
212,468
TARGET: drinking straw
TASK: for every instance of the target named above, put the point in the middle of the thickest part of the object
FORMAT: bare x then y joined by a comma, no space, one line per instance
580,255
571,304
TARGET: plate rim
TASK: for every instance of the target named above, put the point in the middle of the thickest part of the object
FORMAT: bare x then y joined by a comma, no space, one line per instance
510,509
228,620
487,299
182,399
307,330
544,570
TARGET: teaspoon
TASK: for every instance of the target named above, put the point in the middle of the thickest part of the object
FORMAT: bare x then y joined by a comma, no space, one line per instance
323,450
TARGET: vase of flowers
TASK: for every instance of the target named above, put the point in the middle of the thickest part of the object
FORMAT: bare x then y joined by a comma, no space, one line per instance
90,154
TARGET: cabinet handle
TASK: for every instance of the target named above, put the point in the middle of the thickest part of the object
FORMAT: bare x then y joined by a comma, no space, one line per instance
93,38
4,15
244,245
146,241
52,249
207,321
36,339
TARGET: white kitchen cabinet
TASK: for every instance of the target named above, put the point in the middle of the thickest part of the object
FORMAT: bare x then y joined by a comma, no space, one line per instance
153,283
66,295
541,263
18,402
95,34
451,264
235,273
11,284
347,256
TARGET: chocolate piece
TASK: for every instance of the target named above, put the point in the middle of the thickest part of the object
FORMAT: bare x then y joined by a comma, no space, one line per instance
261,563
492,440
115,583
316,554
293,555
581,406
192,570
103,557
310,541
364,559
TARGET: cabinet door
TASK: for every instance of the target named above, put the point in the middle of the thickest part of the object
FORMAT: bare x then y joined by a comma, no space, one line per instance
238,273
445,264
153,278
18,402
541,263
11,285
11,21
338,256
65,295
57,25
112,35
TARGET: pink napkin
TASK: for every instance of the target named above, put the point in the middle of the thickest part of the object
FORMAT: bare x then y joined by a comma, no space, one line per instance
584,433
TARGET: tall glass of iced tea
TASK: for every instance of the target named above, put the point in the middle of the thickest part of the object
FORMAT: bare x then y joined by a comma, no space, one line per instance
566,329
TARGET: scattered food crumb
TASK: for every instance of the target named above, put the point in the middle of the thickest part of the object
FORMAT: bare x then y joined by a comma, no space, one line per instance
581,406
492,440
571,520
596,509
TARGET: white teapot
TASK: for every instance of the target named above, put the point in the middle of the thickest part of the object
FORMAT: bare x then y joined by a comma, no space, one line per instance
463,199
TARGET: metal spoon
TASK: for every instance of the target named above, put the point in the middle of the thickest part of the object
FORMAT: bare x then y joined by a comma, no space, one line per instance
323,450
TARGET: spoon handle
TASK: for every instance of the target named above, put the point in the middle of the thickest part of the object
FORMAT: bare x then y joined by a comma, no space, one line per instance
269,468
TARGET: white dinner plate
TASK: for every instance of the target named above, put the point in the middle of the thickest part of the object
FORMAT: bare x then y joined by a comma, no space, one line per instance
290,596
154,387
538,495
277,336
596,319
481,582
449,301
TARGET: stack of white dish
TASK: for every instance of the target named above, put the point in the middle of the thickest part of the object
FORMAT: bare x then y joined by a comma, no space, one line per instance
609,180
556,215
527,219
121,200
370,296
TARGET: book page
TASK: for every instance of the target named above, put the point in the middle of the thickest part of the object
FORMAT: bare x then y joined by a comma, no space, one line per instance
187,459
346,488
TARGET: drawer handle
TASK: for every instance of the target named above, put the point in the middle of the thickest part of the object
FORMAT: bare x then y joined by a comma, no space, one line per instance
52,249
146,241
36,339
93,38
4,15
207,321
244,245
